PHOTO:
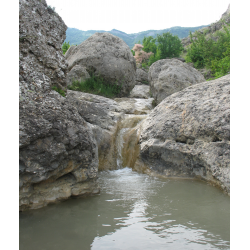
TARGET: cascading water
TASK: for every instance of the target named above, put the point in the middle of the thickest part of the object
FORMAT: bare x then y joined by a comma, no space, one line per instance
127,140
133,211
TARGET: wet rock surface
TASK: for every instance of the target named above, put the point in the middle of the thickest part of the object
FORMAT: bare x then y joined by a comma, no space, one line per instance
104,116
108,56
168,76
135,106
140,91
188,134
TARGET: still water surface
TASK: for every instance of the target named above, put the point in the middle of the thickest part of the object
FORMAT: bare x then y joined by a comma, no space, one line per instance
133,211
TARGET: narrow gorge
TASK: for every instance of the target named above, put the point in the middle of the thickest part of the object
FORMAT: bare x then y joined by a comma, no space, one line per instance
166,128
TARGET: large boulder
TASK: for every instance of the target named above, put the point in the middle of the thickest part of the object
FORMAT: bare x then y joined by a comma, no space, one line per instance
108,56
58,152
188,134
168,76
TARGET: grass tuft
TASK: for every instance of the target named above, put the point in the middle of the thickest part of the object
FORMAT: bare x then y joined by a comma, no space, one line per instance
96,85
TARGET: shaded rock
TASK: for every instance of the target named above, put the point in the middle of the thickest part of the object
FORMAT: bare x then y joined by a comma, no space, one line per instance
188,134
108,56
135,105
141,77
55,143
207,73
140,91
104,116
77,73
168,76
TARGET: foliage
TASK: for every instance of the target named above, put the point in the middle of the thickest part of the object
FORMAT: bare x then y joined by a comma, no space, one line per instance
211,52
149,44
154,49
65,47
140,55
133,52
96,85
169,45
60,91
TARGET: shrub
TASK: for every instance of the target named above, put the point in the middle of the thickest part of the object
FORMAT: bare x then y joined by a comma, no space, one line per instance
140,55
65,47
211,53
96,85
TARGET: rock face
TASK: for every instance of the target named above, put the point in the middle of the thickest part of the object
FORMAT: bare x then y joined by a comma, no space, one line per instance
108,56
41,62
141,77
77,73
104,116
58,151
168,76
140,91
188,134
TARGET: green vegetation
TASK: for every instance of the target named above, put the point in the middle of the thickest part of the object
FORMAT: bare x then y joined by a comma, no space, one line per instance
65,47
96,85
164,45
211,53
60,91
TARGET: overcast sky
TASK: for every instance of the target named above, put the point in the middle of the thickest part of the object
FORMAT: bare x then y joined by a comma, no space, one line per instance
132,16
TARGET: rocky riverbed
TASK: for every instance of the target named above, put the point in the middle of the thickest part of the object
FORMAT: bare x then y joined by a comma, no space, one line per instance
66,140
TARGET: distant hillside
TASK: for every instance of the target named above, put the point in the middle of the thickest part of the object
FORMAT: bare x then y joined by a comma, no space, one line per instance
75,36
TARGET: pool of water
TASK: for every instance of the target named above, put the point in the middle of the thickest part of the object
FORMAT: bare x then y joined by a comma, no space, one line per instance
133,211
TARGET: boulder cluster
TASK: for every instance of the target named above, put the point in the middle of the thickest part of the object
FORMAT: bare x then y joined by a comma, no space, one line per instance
65,140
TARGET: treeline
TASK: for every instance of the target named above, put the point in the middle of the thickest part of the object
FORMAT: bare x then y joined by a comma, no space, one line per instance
164,45
205,51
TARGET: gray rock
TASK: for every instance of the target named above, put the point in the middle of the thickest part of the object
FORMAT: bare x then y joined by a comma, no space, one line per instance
58,152
140,91
188,134
168,76
141,77
69,52
77,73
104,116
108,56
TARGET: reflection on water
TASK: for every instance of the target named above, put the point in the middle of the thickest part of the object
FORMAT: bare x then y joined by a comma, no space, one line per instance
134,211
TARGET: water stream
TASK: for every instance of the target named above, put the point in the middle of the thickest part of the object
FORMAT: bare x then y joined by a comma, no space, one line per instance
133,211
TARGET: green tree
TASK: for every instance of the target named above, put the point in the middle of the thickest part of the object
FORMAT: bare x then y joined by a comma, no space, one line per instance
169,45
212,52
65,47
149,44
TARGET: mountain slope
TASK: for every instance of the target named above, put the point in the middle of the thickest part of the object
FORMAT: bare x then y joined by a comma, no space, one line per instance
75,36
